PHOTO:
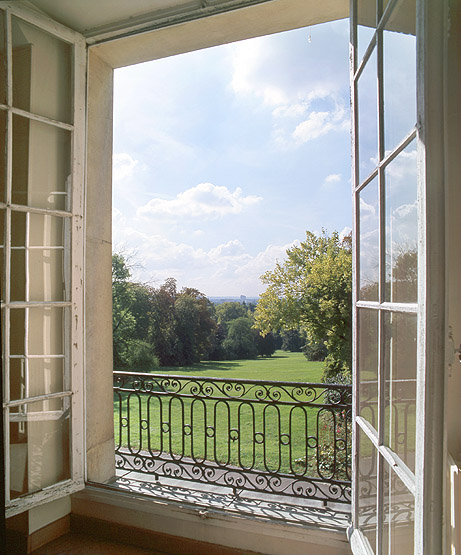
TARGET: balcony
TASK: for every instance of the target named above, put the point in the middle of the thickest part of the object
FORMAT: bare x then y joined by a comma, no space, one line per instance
255,440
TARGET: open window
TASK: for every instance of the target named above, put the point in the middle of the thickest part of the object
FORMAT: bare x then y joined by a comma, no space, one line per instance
41,226
393,418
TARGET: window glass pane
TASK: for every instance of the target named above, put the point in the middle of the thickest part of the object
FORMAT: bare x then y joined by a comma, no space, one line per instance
3,60
2,253
3,142
400,384
47,268
46,375
41,164
367,486
48,326
367,362
369,242
402,227
367,90
18,229
17,378
399,74
47,231
366,24
17,331
42,72
18,275
39,451
399,519
18,257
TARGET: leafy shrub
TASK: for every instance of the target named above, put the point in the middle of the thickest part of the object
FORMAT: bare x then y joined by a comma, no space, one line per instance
139,354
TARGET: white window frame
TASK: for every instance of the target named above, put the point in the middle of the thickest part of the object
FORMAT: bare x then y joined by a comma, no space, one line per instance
428,482
74,355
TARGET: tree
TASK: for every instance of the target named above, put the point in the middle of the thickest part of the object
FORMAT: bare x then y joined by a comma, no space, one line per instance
123,321
292,340
315,351
194,325
265,344
240,340
228,311
312,291
132,303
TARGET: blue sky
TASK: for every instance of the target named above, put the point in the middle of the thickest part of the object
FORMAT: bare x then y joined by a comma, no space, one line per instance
224,157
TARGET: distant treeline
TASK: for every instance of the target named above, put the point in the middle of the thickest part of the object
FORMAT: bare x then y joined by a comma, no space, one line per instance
166,327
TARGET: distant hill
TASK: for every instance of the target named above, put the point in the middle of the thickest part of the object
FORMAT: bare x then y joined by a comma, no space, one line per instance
241,299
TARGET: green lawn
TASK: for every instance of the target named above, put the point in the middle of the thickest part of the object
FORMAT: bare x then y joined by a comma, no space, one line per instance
232,419
282,366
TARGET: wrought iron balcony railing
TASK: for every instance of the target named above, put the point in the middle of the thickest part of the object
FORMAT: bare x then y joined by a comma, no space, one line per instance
285,438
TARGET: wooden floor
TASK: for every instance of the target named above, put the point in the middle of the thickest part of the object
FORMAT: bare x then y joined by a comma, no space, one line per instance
79,544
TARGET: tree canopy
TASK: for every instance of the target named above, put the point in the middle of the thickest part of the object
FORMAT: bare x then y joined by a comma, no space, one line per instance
163,326
312,291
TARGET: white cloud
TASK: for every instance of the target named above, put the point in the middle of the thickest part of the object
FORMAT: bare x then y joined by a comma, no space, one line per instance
231,248
320,123
405,210
345,232
264,260
202,201
306,94
331,181
291,110
225,269
249,60
123,166
404,166
367,209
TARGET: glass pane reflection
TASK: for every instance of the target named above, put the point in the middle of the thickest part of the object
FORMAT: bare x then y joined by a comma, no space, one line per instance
367,470
399,75
48,326
17,331
2,252
39,451
401,188
3,60
41,164
400,384
42,72
366,25
47,267
367,361
3,143
399,515
367,89
369,242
